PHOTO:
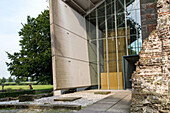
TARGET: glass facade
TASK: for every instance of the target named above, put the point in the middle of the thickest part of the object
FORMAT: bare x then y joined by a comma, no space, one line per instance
113,31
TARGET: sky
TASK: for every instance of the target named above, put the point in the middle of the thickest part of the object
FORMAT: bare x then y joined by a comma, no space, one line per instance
13,13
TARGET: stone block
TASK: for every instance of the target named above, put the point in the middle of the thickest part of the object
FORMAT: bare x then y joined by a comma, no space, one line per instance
102,92
67,98
24,98
5,99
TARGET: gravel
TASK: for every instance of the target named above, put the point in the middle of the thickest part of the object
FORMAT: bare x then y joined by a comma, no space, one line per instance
88,98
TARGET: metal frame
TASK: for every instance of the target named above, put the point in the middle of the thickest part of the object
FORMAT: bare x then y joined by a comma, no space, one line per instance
88,12
127,53
107,57
78,6
97,37
116,37
117,57
136,29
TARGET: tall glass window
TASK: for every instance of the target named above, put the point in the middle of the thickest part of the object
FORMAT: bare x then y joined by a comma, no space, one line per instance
113,31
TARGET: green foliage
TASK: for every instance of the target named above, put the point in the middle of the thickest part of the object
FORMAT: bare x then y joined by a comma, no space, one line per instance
3,80
10,83
26,87
9,89
42,91
34,59
16,90
17,80
132,51
19,83
28,83
10,79
16,93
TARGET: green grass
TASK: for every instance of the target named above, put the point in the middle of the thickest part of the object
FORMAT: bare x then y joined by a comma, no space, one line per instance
35,87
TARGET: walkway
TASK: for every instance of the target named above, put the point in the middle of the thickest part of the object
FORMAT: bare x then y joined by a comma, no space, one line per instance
116,103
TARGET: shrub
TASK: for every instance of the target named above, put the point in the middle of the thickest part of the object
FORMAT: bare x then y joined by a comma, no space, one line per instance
9,83
16,93
8,89
20,83
28,83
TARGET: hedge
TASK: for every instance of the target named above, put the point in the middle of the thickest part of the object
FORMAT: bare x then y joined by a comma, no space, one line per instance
21,83
16,93
43,91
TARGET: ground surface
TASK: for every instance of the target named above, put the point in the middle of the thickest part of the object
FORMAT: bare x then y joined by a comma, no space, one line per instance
115,102
35,111
35,87
88,97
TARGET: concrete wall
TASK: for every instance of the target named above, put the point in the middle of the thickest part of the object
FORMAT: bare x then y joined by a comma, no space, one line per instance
69,47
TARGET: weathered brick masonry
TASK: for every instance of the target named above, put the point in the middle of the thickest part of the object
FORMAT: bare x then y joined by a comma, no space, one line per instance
148,17
151,80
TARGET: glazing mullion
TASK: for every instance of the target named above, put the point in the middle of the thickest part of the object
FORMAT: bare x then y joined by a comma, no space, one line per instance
97,41
117,59
136,29
107,57
127,53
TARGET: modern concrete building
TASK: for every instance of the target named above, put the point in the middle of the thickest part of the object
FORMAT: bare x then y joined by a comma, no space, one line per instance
96,42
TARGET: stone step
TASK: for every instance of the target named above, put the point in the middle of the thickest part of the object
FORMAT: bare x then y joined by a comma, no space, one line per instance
40,106
102,92
67,98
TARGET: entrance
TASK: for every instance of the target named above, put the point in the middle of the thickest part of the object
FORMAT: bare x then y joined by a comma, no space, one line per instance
128,68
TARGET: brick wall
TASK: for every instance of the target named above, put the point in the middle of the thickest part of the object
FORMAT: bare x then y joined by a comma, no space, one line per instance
151,80
148,17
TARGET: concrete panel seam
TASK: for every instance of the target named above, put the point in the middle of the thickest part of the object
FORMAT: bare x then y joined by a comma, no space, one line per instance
69,31
74,59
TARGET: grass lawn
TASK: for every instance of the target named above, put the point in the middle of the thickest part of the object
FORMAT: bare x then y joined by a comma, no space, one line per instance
35,87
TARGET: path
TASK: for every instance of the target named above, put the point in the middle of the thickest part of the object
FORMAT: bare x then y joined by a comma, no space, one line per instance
116,103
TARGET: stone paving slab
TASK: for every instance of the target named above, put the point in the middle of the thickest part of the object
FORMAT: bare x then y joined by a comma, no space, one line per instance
67,98
98,107
117,103
109,100
41,106
102,92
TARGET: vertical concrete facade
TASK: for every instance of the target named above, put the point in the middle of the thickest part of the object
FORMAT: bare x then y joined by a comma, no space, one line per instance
69,47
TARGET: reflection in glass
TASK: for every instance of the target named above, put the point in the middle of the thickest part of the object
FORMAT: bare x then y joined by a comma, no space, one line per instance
121,17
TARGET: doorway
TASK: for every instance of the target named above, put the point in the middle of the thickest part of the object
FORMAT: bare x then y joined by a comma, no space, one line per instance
128,68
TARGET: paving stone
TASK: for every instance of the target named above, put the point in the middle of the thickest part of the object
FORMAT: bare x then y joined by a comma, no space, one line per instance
67,98
23,98
117,103
40,106
5,99
110,100
119,110
102,92
107,102
99,107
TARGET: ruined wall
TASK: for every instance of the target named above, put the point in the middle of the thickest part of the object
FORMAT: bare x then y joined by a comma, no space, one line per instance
148,17
151,80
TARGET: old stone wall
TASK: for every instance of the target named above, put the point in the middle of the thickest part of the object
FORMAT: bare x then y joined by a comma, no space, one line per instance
151,80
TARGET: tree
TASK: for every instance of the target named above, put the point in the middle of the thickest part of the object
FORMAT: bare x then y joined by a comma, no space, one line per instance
0,81
17,80
34,59
3,80
10,79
